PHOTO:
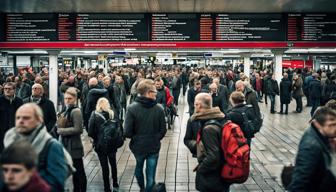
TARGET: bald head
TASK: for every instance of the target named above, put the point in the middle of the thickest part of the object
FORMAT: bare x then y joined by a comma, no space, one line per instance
93,82
28,117
203,101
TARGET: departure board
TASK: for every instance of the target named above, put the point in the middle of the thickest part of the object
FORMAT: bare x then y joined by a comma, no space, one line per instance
167,27
111,27
250,27
31,27
311,27
175,27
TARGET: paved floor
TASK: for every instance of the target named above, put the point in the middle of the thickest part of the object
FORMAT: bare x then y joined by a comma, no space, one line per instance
272,148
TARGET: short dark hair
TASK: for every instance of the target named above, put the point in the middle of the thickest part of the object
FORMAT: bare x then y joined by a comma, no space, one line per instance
145,86
237,97
19,152
323,114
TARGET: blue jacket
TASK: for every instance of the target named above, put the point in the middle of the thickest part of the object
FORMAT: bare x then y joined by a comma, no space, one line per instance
57,170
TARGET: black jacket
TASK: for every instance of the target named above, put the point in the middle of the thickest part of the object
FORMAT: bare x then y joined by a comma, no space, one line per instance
49,112
272,87
191,98
315,89
235,115
251,98
191,135
145,125
7,115
310,172
285,91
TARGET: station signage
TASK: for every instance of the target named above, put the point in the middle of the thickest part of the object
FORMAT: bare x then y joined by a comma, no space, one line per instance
145,30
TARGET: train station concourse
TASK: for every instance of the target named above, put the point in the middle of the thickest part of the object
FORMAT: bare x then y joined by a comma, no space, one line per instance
186,86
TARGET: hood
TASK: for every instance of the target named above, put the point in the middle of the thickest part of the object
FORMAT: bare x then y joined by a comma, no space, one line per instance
146,102
213,113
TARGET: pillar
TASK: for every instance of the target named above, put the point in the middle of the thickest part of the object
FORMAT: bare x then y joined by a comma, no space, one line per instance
53,76
317,64
277,68
247,64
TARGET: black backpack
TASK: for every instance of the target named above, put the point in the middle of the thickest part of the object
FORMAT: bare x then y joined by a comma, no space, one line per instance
110,136
251,125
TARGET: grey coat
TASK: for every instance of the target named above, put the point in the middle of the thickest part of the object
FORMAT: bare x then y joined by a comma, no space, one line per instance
71,135
297,88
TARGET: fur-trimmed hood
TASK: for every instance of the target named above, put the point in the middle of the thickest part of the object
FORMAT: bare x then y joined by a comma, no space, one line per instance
213,113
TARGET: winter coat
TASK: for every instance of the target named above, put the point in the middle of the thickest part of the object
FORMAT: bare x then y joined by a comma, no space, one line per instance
71,132
191,99
272,87
209,153
145,125
191,135
285,91
24,91
48,109
313,157
329,91
315,89
297,88
251,98
7,115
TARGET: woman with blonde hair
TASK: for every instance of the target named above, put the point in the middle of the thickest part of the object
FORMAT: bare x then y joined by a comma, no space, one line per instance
102,114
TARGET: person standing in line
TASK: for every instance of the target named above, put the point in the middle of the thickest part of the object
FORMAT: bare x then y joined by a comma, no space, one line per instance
145,125
285,93
9,103
272,90
70,128
297,92
103,108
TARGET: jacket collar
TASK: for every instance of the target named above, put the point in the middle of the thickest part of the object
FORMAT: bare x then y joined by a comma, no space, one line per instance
213,113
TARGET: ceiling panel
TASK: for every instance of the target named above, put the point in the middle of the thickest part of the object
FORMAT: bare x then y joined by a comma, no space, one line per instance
168,6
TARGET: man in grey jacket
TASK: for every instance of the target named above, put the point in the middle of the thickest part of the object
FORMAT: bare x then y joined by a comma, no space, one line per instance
145,125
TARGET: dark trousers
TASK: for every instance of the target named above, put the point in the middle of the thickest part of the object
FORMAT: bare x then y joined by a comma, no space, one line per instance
79,177
104,159
259,97
272,98
298,104
176,94
184,89
315,104
266,98
281,108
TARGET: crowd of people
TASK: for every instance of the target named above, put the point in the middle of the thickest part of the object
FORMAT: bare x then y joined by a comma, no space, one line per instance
41,144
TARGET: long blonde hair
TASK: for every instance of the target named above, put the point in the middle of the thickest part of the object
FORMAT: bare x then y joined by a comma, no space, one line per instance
104,105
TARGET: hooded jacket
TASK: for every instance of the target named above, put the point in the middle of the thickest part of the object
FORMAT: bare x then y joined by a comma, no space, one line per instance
209,153
145,125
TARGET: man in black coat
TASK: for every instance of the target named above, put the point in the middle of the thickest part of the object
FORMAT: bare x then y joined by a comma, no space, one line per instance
315,92
285,93
47,106
313,160
176,84
145,125
272,90
9,103
192,92
250,96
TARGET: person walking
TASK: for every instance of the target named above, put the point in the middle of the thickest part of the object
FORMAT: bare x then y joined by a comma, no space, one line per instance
98,117
70,128
145,126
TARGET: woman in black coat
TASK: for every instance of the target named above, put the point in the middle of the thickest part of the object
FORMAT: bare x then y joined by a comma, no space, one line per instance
285,92
96,120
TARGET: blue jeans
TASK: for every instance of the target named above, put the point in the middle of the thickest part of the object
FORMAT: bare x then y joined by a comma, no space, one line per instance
151,164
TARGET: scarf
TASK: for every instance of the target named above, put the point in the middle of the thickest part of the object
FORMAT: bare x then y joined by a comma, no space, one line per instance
37,137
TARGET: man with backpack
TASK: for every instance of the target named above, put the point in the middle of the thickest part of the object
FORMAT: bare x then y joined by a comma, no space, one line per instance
145,125
209,153
244,116
53,164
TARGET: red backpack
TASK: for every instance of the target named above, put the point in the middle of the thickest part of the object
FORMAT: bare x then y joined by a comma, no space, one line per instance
236,151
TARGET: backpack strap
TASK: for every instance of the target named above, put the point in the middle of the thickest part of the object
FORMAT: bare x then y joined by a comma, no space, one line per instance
43,156
100,115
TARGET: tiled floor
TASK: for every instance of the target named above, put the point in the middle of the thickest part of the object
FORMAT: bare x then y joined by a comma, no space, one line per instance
272,148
